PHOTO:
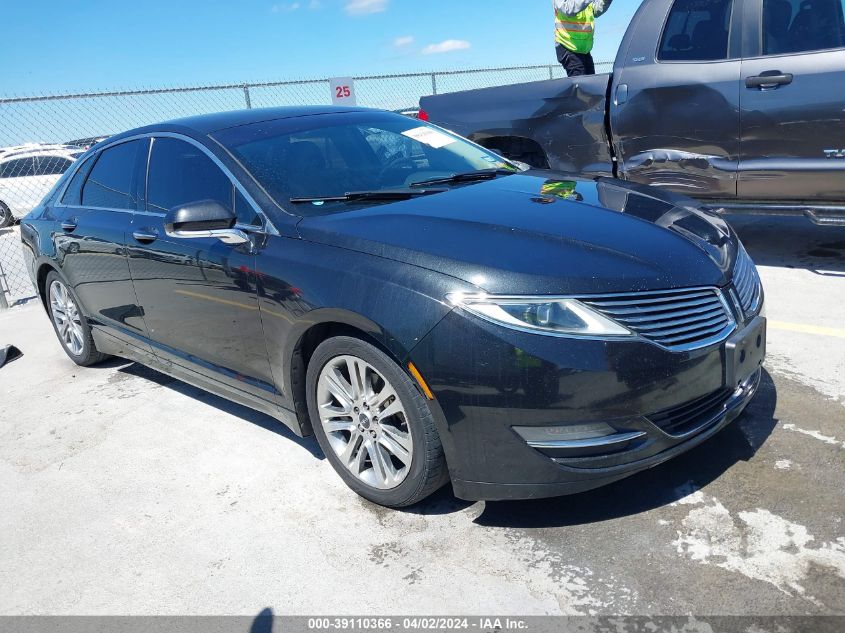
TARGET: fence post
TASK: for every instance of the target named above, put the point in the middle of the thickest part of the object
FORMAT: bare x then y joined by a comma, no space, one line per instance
434,83
551,72
4,305
246,97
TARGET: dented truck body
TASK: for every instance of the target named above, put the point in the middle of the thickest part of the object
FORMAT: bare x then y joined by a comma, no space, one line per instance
746,131
561,122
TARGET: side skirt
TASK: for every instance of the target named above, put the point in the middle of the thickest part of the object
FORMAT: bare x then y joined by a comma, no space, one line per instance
823,215
110,344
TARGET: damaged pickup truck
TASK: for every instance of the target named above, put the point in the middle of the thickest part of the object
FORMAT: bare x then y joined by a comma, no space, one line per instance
738,103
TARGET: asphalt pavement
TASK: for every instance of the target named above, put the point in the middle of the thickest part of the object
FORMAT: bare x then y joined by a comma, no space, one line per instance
126,492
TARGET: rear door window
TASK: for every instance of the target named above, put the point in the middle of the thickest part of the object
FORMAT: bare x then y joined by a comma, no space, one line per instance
109,185
798,26
696,30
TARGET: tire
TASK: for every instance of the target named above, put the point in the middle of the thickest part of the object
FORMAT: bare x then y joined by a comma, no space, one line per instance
6,217
70,324
378,468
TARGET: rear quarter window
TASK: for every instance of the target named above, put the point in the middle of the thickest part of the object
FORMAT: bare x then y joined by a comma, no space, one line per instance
73,194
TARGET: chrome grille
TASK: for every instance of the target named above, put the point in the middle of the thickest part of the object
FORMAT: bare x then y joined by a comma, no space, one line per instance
692,415
676,319
747,283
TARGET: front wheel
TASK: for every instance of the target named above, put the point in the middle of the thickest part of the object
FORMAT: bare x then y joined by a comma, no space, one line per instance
373,425
70,324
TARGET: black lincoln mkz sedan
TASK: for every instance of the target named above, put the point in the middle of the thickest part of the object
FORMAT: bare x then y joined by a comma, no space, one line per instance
429,310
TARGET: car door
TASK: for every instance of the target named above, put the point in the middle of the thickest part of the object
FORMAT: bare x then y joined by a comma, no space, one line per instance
16,185
199,295
94,215
675,106
793,129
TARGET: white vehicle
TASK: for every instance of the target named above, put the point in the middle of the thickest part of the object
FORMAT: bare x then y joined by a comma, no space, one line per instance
27,173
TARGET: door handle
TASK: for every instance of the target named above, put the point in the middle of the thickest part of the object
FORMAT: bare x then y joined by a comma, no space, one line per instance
768,80
69,226
621,94
145,236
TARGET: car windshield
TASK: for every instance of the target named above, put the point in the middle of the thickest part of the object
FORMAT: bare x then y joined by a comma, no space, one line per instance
316,160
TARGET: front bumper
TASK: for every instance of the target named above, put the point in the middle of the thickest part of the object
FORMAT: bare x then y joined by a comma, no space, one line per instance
497,391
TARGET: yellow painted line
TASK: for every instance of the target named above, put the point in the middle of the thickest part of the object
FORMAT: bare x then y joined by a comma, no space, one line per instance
198,295
807,329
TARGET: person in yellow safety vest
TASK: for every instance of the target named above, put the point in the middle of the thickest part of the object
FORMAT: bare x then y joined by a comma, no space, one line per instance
575,24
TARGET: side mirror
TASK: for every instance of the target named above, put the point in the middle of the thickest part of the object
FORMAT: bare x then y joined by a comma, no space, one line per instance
204,218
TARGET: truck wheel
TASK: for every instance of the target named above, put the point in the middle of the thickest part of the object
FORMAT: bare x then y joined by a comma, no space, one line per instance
373,425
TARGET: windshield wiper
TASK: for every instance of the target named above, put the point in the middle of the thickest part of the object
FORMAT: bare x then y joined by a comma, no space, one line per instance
379,194
469,176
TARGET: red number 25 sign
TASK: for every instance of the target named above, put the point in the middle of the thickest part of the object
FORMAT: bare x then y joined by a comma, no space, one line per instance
343,91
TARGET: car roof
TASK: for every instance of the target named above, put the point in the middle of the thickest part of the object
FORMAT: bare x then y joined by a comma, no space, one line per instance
205,124
31,152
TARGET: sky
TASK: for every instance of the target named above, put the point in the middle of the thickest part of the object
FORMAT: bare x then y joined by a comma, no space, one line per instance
62,46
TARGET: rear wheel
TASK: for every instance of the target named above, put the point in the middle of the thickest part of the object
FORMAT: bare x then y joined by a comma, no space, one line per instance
373,425
6,217
70,324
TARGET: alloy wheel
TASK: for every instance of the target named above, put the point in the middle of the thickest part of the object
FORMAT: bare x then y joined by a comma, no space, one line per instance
365,422
67,318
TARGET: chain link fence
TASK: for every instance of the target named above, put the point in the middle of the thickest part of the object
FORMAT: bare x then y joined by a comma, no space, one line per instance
41,136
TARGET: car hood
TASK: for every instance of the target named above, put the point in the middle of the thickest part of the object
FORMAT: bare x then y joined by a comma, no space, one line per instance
540,233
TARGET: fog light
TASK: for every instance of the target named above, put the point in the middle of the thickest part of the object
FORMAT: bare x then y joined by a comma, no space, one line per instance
567,432
573,440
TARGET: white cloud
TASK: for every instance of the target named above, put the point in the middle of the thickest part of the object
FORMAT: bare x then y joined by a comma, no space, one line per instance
362,7
446,47
406,40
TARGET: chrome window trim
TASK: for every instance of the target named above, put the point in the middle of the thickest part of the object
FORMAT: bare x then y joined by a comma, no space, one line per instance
268,226
112,209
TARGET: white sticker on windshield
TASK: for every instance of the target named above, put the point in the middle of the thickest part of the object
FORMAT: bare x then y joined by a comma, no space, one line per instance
430,136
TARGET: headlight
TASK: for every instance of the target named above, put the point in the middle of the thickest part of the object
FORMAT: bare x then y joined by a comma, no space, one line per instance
542,315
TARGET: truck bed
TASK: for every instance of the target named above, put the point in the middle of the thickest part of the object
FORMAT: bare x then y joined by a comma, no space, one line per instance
558,123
